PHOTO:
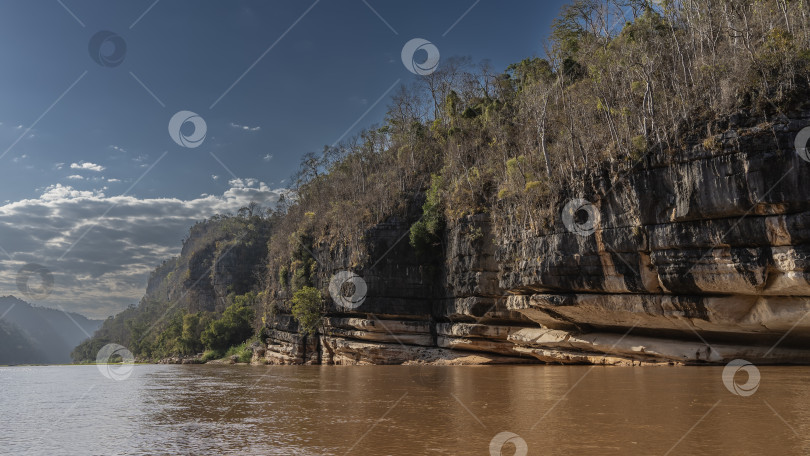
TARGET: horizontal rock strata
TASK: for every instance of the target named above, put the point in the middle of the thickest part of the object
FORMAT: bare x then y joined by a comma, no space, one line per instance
699,256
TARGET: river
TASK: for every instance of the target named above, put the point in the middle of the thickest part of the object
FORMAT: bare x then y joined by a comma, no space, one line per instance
401,410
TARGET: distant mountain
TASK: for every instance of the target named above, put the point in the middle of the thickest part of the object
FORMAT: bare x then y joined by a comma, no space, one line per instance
39,335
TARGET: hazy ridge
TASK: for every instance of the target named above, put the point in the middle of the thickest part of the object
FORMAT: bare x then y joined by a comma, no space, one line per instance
39,335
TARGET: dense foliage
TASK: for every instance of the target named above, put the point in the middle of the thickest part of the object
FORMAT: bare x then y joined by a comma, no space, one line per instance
307,308
234,327
426,233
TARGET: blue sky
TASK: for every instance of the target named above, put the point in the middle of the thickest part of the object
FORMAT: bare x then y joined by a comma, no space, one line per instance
98,192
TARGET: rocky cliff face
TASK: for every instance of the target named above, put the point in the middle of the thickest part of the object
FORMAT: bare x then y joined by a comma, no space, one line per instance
694,256
410,314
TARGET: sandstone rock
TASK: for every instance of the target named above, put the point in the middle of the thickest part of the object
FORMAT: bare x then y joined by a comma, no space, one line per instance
701,256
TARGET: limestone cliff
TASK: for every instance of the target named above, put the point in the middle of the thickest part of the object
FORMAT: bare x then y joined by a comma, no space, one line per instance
693,256
220,259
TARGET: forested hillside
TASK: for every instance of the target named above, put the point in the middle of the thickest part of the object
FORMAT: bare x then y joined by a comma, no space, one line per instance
220,265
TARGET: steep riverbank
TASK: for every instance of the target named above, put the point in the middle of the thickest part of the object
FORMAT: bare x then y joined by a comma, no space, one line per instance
688,257
636,197
699,256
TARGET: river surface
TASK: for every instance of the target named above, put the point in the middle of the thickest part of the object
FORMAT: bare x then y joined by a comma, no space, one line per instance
401,410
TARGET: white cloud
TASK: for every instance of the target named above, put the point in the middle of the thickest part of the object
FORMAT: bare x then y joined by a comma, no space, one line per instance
268,157
214,176
108,268
113,180
118,148
245,127
88,166
242,183
76,177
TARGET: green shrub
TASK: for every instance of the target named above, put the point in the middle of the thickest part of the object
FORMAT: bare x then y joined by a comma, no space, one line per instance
233,328
209,355
193,326
307,308
427,232
243,352
638,147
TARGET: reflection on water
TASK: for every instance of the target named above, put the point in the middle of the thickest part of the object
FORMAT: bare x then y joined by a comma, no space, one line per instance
400,410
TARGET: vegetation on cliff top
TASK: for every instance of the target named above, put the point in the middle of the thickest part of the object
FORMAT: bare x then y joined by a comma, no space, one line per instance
622,79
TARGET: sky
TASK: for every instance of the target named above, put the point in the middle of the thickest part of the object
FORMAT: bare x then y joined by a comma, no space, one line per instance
123,123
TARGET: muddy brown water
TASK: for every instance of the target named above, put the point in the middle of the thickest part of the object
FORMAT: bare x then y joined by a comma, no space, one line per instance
401,410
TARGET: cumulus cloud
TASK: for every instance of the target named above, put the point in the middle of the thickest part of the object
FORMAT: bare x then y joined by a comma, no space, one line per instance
245,127
268,157
76,177
101,249
88,166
